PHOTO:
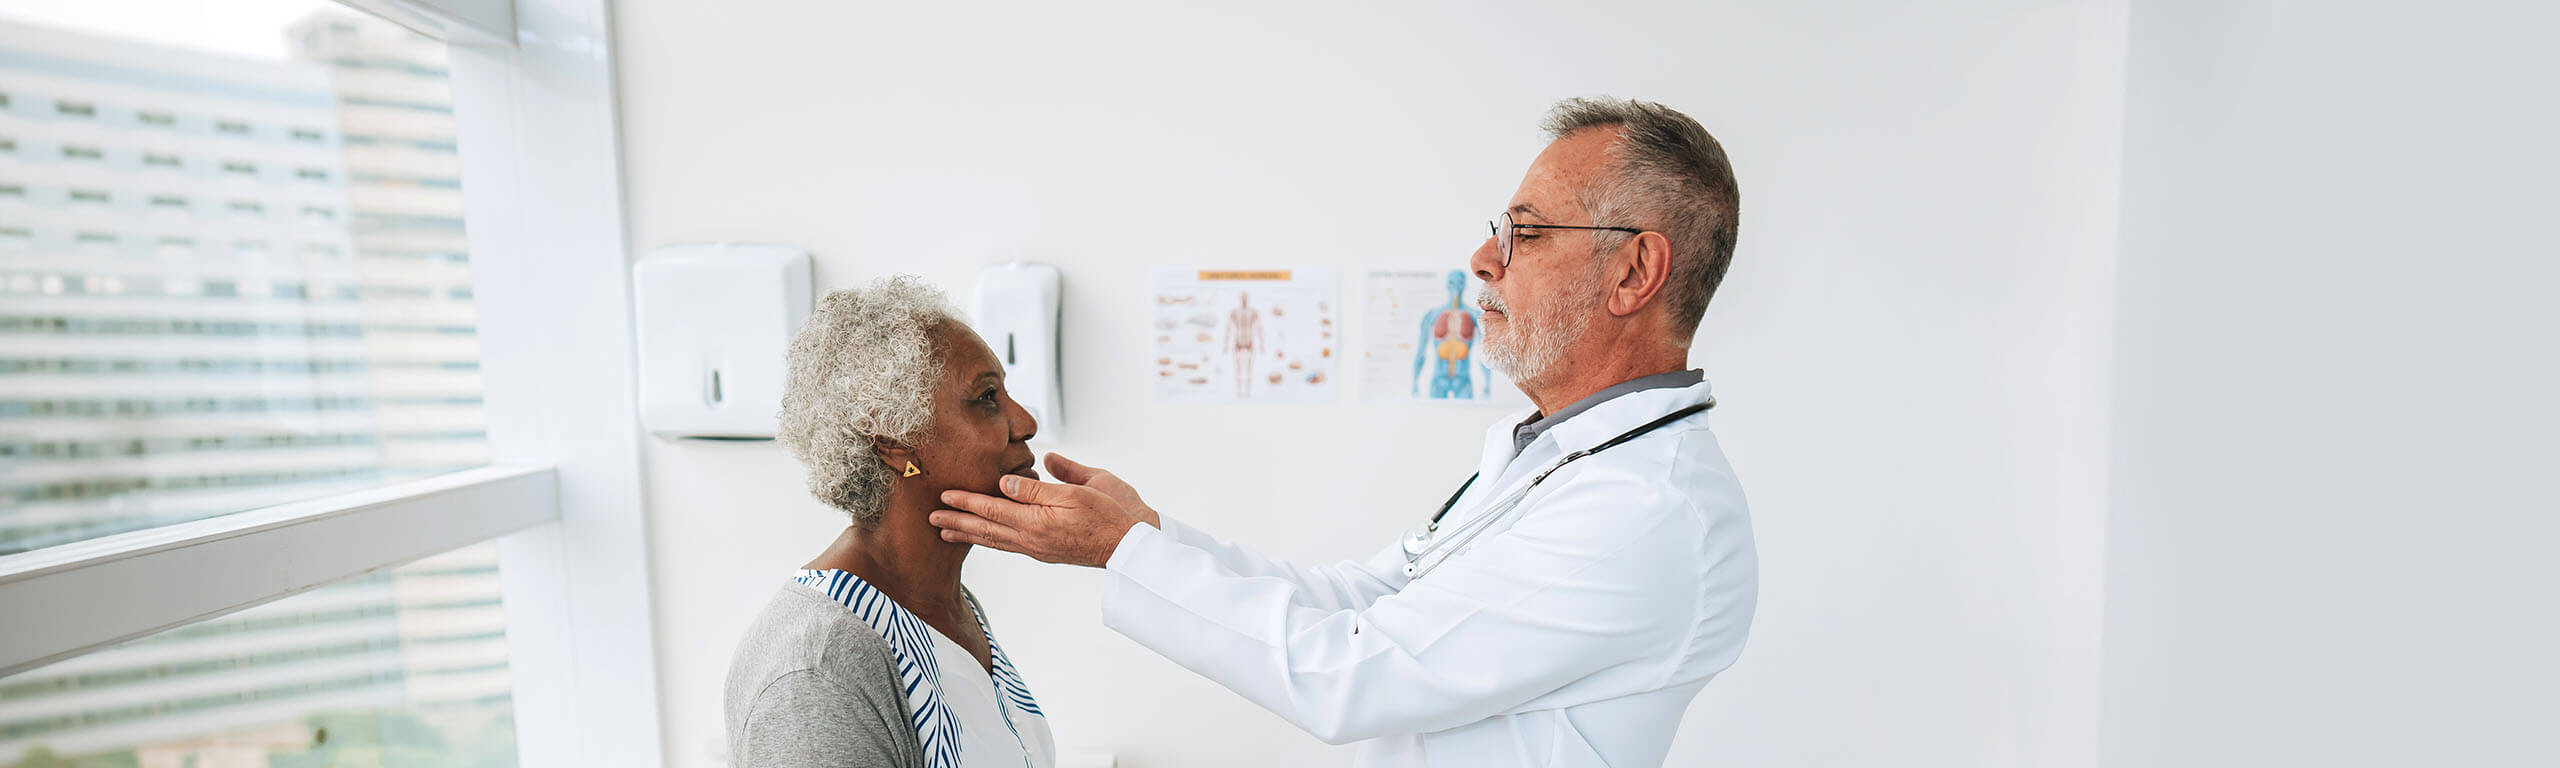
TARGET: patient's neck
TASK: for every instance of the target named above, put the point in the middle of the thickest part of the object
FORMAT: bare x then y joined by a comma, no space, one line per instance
904,557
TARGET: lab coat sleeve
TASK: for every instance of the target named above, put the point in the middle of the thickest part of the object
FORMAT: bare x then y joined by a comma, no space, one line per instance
1593,594
1347,585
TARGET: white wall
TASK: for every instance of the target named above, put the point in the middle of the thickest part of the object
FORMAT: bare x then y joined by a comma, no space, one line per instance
1911,349
2333,521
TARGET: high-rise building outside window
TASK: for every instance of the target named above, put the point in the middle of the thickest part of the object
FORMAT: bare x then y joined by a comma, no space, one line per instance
190,328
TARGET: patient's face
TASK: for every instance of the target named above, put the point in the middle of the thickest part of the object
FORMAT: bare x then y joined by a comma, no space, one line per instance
979,433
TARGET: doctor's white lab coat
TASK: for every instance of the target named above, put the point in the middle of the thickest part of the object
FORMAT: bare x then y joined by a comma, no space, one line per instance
1575,635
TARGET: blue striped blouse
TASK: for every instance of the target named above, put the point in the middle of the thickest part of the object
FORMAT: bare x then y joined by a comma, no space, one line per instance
937,727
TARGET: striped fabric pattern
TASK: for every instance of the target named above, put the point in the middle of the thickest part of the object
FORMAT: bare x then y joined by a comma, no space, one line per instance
937,727
1007,680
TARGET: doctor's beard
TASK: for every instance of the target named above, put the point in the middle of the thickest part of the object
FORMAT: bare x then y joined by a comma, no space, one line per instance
1529,346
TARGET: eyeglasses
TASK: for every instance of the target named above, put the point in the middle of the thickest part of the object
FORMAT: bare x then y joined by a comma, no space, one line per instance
1504,231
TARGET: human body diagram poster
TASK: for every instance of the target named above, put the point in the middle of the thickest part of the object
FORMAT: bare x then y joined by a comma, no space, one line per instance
1246,334
1420,334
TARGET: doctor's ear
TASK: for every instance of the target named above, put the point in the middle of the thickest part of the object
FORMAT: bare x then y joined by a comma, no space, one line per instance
1640,277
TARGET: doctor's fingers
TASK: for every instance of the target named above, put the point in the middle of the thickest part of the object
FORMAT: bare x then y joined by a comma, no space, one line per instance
973,540
999,509
1045,544
972,529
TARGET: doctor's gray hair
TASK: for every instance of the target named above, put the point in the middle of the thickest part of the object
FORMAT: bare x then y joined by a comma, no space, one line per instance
1670,176
864,367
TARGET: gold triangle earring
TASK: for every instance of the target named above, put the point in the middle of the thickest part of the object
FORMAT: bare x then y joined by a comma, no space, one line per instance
913,470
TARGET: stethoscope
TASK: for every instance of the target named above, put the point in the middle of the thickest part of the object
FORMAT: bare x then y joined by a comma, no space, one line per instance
1425,548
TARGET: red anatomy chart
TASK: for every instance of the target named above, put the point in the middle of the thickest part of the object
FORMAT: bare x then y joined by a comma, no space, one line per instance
1420,343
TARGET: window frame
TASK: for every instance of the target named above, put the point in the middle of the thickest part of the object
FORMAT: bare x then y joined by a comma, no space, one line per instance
563,495
173,575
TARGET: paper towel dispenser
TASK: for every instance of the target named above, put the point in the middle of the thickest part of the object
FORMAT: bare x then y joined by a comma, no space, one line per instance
714,321
1017,313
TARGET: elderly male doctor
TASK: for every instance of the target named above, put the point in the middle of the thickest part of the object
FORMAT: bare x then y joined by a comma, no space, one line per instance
1558,622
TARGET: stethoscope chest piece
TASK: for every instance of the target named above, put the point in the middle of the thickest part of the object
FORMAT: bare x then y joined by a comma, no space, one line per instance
1416,543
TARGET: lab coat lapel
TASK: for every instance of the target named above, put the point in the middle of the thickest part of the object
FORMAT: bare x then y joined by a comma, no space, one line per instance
1495,461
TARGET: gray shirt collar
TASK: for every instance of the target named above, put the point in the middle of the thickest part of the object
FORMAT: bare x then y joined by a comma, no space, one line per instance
1538,424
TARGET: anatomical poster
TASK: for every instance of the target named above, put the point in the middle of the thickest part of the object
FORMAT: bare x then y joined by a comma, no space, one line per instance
1245,334
1421,337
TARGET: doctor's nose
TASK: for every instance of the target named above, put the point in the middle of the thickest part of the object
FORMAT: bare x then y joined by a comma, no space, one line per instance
1486,261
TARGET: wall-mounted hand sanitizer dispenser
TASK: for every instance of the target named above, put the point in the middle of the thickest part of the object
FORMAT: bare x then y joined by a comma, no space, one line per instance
1017,313
714,322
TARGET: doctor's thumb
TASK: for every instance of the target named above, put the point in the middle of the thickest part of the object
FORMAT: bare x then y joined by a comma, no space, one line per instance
1033,492
1068,471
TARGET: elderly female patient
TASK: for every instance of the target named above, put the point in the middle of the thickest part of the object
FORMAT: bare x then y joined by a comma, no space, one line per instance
874,654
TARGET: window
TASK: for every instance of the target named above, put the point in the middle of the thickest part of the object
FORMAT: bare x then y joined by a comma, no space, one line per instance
206,445
411,661
310,431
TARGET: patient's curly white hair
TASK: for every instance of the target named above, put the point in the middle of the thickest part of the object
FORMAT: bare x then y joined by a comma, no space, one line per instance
864,367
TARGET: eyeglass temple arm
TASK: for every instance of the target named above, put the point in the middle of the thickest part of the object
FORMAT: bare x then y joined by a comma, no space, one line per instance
1564,226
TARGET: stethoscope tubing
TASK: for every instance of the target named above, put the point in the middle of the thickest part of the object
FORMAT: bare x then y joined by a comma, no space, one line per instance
1425,548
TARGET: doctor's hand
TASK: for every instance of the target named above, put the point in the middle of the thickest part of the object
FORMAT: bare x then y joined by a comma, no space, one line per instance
1111,485
1051,522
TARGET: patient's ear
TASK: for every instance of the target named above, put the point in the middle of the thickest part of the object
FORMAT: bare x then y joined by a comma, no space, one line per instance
892,453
